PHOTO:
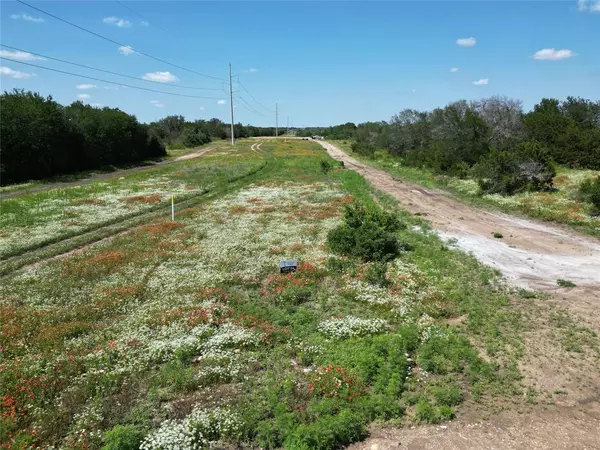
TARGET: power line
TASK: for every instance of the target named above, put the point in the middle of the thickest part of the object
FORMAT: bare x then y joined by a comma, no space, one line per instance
249,106
138,14
250,95
118,43
110,82
108,71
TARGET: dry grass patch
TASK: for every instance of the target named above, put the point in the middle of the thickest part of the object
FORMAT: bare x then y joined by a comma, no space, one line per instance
154,198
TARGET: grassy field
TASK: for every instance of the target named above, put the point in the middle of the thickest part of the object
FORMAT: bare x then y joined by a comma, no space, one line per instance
561,206
171,154
33,220
183,334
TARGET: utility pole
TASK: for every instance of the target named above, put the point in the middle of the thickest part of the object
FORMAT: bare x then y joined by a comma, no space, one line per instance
287,128
231,104
276,121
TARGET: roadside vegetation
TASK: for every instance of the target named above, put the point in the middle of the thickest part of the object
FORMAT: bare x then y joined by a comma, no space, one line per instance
183,334
42,139
544,163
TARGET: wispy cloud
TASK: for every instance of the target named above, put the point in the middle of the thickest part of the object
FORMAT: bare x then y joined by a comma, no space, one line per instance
454,69
161,77
97,105
111,88
86,86
20,56
482,82
83,96
202,108
145,23
221,102
117,21
251,70
157,103
551,54
466,42
23,16
126,50
15,73
588,5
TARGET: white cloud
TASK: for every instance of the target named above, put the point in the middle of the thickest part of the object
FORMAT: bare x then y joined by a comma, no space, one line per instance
15,73
588,5
551,54
161,77
111,88
221,102
202,108
20,56
86,86
145,23
466,42
251,70
27,17
414,90
157,104
117,21
454,69
126,50
83,96
482,82
97,105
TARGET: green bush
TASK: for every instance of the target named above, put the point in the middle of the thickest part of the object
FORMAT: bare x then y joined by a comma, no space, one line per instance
426,412
589,191
367,233
325,166
377,274
529,168
328,432
122,437
448,395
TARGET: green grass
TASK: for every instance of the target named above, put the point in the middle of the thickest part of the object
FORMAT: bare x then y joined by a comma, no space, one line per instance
561,206
191,319
35,220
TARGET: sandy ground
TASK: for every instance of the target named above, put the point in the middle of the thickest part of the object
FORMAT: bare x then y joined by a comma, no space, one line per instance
105,176
533,255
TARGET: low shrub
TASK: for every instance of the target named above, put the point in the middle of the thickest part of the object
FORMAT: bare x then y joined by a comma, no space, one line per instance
448,395
589,191
565,283
367,233
325,166
122,437
328,432
377,274
528,168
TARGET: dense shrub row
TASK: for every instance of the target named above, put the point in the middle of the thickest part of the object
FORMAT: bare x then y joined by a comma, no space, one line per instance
491,139
176,132
41,138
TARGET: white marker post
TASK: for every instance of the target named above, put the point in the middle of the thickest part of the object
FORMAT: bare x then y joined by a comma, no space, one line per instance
173,208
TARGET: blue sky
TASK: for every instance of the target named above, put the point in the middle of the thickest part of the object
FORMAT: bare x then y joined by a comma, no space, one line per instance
323,62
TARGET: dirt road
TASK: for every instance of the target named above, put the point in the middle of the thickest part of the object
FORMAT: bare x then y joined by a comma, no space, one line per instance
105,176
530,254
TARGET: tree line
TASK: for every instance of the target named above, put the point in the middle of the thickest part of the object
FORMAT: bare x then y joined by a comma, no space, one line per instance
175,132
41,138
491,139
